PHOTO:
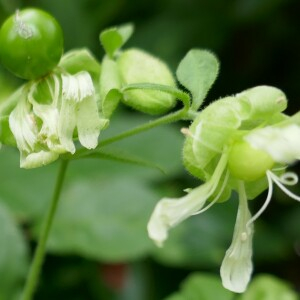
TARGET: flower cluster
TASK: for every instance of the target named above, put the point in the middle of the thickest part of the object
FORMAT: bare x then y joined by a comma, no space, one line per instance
76,99
242,143
51,112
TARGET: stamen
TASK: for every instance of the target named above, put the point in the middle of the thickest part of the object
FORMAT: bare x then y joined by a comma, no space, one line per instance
269,197
280,100
216,198
285,180
289,178
186,131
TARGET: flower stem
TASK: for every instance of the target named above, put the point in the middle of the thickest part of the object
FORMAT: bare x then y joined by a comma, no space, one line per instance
38,259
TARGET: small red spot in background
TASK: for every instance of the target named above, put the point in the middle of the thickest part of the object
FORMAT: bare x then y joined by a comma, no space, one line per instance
114,276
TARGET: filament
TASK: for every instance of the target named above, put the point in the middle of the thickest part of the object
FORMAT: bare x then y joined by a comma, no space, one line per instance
284,180
267,201
216,198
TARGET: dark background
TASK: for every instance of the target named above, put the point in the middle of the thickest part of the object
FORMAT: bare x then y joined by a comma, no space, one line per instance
257,42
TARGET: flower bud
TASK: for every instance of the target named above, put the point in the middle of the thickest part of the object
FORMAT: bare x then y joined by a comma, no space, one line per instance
136,66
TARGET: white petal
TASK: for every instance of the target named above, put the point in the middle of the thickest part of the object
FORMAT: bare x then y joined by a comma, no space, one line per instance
48,133
67,124
77,87
281,143
23,127
237,266
37,159
88,123
169,212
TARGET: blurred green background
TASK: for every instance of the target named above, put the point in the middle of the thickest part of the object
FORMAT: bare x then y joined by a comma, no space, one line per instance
98,248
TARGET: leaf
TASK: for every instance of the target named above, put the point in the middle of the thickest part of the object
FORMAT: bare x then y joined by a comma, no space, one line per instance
268,287
110,102
197,72
202,286
124,158
103,218
13,256
78,60
113,39
110,84
104,204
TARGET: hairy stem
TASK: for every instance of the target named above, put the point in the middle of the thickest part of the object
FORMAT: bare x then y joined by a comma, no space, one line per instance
38,259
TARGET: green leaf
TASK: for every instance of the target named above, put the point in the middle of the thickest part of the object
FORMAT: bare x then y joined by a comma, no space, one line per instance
176,296
110,102
13,256
113,39
202,286
268,287
103,218
6,136
112,202
197,72
124,158
110,84
79,60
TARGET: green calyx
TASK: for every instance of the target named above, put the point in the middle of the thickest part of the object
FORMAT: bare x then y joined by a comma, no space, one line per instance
247,163
137,66
220,128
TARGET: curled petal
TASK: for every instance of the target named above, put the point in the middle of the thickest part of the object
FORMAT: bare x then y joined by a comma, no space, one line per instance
169,212
88,123
37,159
237,266
23,126
281,143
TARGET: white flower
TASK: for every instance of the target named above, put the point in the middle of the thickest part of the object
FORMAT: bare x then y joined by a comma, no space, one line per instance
283,145
236,268
45,119
169,212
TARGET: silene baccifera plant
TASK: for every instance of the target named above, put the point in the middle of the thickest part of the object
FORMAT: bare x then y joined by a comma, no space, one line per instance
241,143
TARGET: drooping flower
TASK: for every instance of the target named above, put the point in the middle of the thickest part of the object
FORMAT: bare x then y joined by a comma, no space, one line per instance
54,111
237,143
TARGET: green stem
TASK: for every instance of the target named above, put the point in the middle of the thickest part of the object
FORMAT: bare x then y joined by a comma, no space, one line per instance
38,259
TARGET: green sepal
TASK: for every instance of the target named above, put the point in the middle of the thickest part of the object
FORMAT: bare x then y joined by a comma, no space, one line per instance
80,60
110,84
197,72
265,101
112,39
137,66
121,157
6,136
7,105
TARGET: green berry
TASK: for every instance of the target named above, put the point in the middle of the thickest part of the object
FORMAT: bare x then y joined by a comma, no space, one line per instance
31,43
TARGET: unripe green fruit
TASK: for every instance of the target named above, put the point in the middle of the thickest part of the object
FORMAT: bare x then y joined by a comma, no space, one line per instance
136,66
247,163
31,43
